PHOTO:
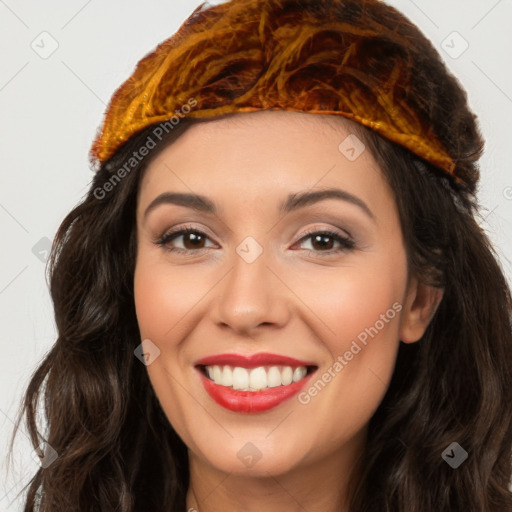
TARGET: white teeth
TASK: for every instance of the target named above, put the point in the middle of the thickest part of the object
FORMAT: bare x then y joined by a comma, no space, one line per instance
227,376
258,378
287,375
217,374
255,379
299,373
274,377
240,379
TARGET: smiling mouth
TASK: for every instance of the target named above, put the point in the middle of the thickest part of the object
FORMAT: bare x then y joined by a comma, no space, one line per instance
255,379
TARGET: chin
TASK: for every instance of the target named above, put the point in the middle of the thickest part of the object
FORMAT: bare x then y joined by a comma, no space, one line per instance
252,456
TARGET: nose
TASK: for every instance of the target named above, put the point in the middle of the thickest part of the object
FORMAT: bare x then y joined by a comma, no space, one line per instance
252,295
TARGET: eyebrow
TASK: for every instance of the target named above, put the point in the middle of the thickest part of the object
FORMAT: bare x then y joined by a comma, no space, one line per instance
293,201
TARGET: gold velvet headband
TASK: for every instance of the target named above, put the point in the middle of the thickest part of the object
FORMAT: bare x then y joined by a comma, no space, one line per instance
360,59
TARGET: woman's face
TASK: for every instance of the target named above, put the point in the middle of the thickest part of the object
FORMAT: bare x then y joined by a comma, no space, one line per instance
258,275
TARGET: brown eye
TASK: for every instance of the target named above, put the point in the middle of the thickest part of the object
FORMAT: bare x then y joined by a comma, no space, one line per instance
322,241
193,239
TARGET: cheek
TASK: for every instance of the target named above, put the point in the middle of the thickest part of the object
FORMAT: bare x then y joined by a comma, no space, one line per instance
349,300
163,299
363,305
163,295
359,308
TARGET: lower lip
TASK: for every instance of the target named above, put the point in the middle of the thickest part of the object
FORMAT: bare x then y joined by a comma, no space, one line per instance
252,401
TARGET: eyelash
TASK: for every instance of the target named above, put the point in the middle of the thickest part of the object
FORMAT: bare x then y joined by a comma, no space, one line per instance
347,243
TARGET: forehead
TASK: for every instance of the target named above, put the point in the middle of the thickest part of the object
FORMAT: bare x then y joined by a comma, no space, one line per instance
265,155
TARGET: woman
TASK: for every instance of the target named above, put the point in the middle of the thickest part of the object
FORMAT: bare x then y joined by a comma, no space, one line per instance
263,308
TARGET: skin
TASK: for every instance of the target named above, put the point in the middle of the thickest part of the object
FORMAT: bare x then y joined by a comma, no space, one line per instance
291,301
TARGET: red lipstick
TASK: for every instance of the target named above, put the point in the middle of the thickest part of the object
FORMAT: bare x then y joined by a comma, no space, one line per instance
251,401
253,361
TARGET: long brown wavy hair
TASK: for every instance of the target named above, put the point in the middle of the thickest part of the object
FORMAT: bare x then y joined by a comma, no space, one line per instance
115,447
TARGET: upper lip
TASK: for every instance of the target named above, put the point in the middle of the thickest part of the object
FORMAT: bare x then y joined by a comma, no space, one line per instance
252,361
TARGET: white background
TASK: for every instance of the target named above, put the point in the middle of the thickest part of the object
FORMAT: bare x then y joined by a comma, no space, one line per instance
51,108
